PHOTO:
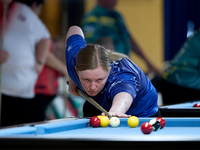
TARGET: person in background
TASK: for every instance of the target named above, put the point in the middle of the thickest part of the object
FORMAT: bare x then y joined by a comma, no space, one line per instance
180,81
110,78
47,84
105,26
26,46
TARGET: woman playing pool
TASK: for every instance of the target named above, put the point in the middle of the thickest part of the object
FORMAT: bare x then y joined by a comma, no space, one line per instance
110,78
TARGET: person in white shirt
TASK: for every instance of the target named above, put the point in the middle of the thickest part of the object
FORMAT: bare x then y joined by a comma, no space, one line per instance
26,46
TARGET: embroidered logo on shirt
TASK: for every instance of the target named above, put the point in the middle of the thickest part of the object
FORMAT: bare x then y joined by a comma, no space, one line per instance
21,17
69,48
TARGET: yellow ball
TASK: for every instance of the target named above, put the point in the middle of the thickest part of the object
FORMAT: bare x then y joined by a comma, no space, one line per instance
133,121
99,116
104,121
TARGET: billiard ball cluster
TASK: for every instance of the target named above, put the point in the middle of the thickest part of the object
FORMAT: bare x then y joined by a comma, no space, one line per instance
97,121
153,125
196,105
133,122
104,121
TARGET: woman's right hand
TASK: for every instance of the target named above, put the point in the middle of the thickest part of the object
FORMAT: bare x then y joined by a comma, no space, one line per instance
72,87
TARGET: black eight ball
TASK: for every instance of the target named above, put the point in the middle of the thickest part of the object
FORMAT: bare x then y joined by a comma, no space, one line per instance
155,123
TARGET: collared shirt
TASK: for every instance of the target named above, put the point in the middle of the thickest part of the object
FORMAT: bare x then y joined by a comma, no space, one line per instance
124,76
23,31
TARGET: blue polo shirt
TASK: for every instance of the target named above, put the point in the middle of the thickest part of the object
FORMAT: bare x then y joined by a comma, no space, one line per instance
125,76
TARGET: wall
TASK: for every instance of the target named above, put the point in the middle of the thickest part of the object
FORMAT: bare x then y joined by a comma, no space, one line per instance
50,15
144,18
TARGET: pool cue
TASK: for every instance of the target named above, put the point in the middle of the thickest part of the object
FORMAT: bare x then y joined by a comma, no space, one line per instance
2,47
93,102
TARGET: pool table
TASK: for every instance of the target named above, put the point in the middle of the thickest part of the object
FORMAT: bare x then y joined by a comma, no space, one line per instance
76,133
181,110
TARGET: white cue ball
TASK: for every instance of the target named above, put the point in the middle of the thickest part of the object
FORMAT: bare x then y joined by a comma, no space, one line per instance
114,122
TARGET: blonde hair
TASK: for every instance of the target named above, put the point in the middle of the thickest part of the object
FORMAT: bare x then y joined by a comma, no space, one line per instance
93,55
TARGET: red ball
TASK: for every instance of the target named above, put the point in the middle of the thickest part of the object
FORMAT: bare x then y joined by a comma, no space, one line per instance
146,128
196,105
162,122
95,121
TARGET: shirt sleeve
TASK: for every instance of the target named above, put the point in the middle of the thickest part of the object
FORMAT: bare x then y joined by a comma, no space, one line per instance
74,44
39,29
123,87
43,32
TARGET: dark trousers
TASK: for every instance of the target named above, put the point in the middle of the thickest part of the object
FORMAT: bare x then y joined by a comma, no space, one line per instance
16,110
38,107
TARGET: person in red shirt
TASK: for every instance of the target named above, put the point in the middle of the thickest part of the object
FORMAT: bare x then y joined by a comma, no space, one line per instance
46,88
